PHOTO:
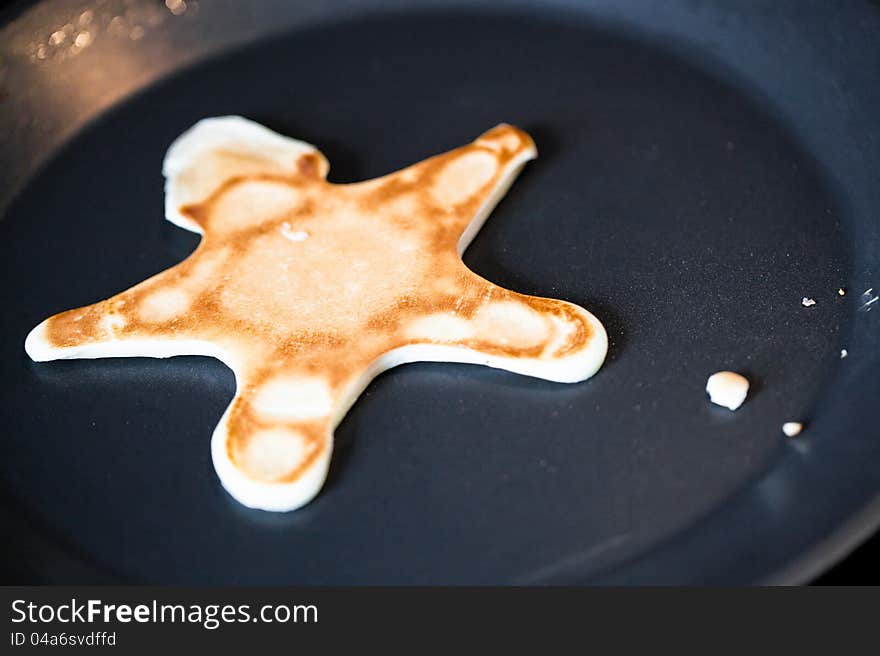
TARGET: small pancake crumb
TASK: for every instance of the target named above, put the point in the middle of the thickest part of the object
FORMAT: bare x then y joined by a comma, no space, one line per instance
843,353
841,292
808,302
727,388
792,428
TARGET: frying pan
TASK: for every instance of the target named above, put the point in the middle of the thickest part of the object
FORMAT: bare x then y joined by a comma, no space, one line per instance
703,167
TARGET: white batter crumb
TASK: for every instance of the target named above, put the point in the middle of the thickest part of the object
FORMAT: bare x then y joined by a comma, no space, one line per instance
841,292
808,302
293,235
792,428
727,388
843,353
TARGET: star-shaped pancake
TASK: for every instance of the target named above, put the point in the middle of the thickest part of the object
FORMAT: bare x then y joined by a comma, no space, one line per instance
307,290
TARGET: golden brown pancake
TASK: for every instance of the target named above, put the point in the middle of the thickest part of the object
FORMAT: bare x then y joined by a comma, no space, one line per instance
309,289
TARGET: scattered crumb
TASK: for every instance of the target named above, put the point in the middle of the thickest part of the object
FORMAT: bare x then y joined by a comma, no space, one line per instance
808,302
792,428
727,388
843,353
841,292
293,235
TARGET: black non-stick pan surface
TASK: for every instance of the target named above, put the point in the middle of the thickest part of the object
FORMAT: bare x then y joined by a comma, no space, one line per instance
703,167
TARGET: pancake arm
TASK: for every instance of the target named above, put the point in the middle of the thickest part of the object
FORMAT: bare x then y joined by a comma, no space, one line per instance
530,335
273,444
218,150
456,191
150,319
